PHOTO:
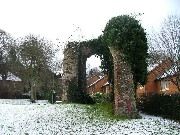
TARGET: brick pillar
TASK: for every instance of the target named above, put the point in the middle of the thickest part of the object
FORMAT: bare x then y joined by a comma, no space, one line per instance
125,104
70,68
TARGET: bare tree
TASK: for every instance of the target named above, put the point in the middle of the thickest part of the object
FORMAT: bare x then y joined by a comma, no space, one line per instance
94,71
166,44
35,54
6,43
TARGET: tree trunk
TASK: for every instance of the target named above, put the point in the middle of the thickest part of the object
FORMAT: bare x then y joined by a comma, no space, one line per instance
35,94
124,93
32,92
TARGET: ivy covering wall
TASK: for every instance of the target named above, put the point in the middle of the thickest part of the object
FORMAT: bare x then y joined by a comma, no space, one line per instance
125,33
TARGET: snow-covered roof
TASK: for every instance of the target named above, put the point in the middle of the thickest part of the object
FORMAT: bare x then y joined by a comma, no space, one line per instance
105,84
2,30
11,77
169,72
151,67
101,77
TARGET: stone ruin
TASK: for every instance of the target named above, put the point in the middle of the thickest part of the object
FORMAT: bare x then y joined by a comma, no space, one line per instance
124,96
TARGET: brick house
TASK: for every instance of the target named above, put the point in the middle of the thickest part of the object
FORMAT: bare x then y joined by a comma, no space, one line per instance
92,79
106,87
98,84
158,81
10,86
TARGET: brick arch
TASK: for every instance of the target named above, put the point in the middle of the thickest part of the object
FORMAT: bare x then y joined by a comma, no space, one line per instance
124,99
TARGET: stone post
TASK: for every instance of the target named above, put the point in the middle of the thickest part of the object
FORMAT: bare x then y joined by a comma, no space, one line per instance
124,96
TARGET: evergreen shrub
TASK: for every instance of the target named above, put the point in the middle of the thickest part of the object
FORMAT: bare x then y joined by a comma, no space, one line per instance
166,105
101,97
76,95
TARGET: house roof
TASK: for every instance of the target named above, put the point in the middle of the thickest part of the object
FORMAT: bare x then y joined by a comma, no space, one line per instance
101,77
169,72
11,77
151,67
2,30
93,76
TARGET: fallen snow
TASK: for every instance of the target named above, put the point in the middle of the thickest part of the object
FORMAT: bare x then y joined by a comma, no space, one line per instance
20,117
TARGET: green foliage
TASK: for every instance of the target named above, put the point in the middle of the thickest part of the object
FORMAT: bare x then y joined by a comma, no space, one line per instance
161,104
45,93
76,95
125,33
101,97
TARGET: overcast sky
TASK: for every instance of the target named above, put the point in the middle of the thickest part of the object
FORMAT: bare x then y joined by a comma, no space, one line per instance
58,19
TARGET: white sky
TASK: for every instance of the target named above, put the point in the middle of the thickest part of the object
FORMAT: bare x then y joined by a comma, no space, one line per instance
58,19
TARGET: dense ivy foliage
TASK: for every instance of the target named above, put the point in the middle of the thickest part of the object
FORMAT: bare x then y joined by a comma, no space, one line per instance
76,95
125,33
101,97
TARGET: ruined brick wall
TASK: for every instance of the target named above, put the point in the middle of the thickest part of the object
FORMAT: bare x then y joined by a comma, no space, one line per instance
72,54
70,67
86,53
123,78
123,86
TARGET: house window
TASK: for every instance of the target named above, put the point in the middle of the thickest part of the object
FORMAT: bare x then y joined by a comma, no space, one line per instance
141,87
165,85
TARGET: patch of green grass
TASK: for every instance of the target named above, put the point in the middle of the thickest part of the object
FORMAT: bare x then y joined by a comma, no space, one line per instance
103,111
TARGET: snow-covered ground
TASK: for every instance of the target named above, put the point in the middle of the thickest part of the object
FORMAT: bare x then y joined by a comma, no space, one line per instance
20,117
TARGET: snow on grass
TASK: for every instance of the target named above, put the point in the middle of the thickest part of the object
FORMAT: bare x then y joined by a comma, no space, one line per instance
20,117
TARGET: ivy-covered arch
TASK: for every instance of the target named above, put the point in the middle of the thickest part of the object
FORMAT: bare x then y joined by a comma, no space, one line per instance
74,64
96,47
123,51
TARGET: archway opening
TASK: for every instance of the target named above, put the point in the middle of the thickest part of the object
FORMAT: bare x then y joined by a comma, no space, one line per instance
96,80
93,63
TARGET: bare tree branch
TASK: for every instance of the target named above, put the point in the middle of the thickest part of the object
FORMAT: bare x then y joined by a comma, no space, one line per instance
166,43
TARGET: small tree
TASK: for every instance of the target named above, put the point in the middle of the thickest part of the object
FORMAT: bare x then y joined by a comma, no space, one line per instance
166,44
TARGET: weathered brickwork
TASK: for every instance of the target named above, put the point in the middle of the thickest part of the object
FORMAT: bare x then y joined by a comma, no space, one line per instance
70,67
123,79
123,86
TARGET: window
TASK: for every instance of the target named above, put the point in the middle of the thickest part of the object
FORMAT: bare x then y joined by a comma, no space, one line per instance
165,85
141,87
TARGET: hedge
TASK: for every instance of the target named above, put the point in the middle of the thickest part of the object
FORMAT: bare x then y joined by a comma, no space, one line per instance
166,105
